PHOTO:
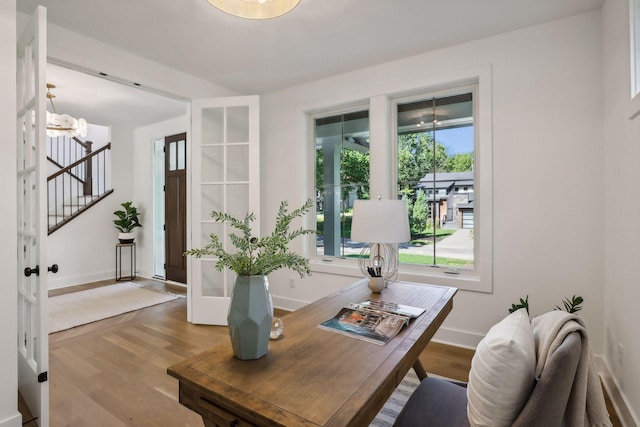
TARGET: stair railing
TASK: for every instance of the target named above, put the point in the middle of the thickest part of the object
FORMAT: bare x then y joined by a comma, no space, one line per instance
76,187
63,151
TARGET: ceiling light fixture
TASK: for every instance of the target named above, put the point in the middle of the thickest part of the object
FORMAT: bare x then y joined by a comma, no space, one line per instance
63,124
255,9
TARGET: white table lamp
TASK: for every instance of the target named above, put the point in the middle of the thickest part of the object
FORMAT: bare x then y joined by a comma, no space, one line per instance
382,224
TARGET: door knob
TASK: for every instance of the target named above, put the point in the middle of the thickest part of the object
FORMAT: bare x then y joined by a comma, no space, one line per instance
53,268
29,271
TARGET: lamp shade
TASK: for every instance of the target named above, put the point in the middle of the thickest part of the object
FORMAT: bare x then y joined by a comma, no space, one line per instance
255,9
380,221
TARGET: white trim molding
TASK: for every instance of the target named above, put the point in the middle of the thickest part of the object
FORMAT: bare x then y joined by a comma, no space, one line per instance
619,401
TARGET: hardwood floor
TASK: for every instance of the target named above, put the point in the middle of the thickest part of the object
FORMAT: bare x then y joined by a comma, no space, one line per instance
113,372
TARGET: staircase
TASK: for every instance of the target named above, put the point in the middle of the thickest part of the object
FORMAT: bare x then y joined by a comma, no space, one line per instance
78,178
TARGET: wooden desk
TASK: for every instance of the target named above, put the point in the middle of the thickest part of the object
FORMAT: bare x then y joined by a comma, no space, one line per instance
313,377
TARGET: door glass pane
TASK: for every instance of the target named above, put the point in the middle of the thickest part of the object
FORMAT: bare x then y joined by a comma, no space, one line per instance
237,199
182,154
208,228
238,162
212,200
238,124
212,280
172,156
212,126
212,162
436,157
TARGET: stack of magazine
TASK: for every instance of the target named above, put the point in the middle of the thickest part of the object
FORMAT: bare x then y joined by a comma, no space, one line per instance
373,321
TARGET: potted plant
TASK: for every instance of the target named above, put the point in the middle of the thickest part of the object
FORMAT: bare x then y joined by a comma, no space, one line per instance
251,309
126,221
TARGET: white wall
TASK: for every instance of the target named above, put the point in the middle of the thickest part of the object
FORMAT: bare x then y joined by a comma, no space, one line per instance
547,150
9,416
621,205
143,176
84,249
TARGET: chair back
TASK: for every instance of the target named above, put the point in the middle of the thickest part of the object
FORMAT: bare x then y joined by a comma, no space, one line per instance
548,401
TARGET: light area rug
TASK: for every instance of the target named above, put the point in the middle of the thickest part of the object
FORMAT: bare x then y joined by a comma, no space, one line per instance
82,307
396,402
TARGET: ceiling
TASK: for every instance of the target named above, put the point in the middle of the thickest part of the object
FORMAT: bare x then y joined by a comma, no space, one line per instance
319,38
106,103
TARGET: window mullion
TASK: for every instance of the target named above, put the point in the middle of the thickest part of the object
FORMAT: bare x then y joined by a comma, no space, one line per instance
381,153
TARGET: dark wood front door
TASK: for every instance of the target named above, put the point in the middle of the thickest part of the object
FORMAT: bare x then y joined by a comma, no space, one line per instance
175,199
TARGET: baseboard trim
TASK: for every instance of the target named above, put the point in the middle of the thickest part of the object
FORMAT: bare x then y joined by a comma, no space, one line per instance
619,401
13,421
457,338
65,282
287,304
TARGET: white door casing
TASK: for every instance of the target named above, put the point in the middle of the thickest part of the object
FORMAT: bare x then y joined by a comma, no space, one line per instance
33,342
225,174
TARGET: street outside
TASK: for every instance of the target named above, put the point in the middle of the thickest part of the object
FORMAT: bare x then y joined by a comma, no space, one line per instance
458,245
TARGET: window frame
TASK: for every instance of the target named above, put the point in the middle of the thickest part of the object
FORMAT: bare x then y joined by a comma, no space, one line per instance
634,58
383,182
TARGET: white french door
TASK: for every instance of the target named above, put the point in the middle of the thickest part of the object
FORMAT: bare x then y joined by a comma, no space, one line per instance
33,342
225,175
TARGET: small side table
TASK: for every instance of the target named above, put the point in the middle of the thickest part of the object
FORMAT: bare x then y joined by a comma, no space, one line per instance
132,261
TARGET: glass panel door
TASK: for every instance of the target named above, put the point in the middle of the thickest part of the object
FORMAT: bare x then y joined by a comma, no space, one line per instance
225,178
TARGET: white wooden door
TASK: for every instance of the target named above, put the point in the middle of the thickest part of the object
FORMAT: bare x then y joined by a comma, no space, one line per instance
225,175
33,342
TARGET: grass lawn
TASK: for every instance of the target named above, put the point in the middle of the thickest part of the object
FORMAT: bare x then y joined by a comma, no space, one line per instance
426,260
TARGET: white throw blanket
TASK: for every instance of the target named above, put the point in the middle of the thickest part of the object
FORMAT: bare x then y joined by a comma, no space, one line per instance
586,406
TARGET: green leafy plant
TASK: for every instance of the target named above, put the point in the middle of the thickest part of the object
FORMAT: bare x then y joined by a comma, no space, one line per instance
569,305
572,305
127,219
258,256
524,303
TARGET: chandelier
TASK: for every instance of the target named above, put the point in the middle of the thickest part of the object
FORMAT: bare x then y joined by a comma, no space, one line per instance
63,124
255,9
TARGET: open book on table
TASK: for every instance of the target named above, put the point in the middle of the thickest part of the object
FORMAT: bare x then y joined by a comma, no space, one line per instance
371,321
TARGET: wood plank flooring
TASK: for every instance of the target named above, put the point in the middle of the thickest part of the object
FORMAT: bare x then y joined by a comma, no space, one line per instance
112,373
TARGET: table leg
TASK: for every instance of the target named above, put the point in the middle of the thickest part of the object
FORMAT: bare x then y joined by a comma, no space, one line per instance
419,370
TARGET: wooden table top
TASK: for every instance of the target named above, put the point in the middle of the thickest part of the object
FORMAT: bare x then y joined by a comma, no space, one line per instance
315,377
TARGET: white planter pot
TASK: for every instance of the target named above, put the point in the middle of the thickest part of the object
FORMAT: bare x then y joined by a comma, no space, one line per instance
126,237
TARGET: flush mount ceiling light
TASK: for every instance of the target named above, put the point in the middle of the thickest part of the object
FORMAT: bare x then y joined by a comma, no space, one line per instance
63,124
255,9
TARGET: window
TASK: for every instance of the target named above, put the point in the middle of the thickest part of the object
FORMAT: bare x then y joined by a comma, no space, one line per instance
431,148
435,155
342,176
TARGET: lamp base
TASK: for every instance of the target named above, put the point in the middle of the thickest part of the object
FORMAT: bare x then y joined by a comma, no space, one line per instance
377,284
379,260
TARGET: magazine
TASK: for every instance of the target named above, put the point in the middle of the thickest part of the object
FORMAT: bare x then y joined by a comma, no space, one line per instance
374,326
392,307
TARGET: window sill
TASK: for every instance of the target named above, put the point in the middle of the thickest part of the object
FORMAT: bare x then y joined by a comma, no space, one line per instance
466,281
